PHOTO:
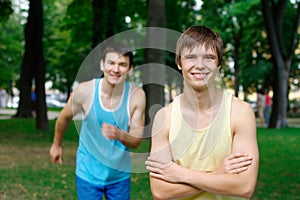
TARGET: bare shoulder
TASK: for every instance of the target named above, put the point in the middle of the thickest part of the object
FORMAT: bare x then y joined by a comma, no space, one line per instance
242,114
164,112
137,92
163,116
239,106
161,124
85,87
137,96
84,92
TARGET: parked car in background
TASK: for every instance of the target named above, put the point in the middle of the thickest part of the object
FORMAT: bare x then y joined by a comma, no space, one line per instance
54,103
253,105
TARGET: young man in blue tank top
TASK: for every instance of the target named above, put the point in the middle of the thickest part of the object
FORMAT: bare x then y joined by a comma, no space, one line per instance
113,120
204,143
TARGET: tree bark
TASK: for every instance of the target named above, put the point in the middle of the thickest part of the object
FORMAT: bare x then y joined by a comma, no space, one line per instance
151,75
33,68
99,24
281,57
24,108
38,62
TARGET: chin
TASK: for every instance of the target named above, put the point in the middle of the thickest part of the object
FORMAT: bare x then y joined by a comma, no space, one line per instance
115,81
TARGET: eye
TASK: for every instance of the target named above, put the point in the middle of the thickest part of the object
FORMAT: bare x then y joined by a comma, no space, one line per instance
209,57
190,57
109,62
124,65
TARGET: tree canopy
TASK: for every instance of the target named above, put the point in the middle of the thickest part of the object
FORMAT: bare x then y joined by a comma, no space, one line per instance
73,28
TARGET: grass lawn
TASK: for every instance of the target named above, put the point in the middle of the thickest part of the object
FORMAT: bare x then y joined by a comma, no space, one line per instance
279,171
27,173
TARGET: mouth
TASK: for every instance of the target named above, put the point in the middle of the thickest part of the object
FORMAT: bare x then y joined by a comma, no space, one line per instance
115,76
201,75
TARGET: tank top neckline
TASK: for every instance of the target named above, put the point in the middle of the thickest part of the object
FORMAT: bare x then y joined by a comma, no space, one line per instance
99,91
204,129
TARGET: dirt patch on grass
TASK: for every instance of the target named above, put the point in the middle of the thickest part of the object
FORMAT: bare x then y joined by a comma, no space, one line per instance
35,155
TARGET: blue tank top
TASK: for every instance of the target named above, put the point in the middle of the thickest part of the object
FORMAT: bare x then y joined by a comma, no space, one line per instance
99,160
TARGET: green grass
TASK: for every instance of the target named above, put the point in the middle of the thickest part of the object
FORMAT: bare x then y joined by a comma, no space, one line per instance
26,171
279,172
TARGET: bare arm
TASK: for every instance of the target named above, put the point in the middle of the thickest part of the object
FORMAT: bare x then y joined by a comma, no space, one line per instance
239,184
133,138
73,106
160,150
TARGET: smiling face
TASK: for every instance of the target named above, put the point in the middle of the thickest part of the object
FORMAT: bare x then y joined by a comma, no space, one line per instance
199,55
199,66
115,68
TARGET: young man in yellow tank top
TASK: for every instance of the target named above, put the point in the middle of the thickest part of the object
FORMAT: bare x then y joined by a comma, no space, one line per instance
204,143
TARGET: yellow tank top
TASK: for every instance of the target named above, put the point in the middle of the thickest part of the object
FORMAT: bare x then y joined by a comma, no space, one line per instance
202,149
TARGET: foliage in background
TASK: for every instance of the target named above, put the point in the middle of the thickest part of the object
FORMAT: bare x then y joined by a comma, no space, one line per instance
68,38
11,50
241,26
6,10
281,19
11,47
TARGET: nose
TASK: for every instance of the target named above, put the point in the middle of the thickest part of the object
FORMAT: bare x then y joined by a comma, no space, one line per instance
198,63
116,68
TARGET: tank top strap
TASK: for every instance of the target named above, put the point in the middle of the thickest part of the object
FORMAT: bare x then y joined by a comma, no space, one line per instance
179,142
96,93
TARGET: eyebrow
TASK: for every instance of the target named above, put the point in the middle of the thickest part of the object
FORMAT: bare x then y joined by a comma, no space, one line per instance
115,60
212,55
189,54
195,54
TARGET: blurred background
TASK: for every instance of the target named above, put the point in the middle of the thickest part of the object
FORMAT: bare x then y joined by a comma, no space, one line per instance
44,42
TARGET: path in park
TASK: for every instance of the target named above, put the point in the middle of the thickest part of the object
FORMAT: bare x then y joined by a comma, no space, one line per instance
8,113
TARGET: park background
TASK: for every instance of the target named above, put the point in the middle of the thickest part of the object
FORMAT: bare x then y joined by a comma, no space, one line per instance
43,44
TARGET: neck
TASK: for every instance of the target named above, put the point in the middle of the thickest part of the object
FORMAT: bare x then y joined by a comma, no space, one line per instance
108,90
203,99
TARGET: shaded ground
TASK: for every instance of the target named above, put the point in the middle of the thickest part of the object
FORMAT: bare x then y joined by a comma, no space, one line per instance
26,172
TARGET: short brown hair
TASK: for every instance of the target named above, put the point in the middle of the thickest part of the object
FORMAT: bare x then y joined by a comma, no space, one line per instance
196,36
121,49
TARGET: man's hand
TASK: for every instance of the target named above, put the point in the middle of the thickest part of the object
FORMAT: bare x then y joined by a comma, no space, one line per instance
235,164
172,172
110,131
56,154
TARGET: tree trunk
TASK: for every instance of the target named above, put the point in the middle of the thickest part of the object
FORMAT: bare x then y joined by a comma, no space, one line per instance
279,106
153,75
24,108
38,63
273,14
112,7
99,24
33,68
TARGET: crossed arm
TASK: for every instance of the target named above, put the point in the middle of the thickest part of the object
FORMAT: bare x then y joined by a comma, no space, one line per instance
236,177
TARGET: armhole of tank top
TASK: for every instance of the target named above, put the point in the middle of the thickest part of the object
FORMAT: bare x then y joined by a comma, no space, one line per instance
173,108
230,100
128,103
92,99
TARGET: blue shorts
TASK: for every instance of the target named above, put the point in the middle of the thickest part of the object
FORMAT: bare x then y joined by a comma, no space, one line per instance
116,191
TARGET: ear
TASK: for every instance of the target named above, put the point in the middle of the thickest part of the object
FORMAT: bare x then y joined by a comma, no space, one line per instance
130,70
102,65
179,67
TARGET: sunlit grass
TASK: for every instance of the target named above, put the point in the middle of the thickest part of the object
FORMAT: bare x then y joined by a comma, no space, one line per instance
26,171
